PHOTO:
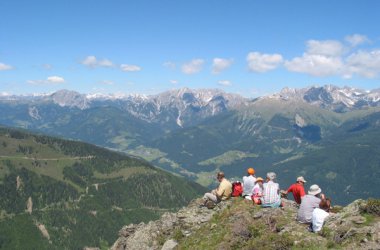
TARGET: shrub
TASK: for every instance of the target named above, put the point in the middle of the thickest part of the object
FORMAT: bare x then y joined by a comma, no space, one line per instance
372,207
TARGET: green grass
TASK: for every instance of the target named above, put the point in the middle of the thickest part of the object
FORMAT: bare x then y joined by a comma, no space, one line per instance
369,219
122,142
206,178
227,158
124,173
149,154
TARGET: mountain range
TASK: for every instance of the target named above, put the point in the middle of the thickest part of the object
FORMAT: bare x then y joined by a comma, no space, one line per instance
197,132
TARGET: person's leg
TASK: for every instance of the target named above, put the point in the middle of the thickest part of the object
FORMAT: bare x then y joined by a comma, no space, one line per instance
277,204
210,196
273,205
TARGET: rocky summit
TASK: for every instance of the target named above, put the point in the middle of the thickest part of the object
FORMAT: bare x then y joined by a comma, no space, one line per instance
237,224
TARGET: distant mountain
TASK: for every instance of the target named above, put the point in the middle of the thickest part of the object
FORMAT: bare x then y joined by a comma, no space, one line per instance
334,98
176,108
196,132
59,194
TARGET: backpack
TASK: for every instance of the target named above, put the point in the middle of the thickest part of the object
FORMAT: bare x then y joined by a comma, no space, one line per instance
210,204
237,189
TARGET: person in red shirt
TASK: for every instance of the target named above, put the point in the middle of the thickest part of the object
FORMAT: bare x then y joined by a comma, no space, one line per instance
297,189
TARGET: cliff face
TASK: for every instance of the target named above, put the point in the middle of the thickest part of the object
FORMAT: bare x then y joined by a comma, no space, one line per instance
237,224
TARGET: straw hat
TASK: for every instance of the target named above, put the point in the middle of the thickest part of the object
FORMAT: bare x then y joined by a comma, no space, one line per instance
259,179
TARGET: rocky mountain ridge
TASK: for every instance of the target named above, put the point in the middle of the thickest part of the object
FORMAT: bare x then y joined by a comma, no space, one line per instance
208,102
332,97
237,224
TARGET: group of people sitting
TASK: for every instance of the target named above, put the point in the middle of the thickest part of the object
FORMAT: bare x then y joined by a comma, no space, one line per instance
313,208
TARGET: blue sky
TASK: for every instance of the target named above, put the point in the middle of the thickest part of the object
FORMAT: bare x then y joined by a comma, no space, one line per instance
248,47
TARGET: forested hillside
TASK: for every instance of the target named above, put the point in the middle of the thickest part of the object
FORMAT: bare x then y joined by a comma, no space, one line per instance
59,194
346,165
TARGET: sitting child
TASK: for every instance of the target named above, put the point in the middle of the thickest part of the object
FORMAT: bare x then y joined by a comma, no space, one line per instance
257,191
320,214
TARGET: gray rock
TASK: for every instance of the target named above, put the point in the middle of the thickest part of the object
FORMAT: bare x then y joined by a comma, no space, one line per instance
258,215
169,245
149,236
358,219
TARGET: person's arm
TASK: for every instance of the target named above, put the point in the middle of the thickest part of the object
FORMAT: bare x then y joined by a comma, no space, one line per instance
219,192
290,189
255,190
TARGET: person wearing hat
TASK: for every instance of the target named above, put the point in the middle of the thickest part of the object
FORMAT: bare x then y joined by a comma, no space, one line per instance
271,192
223,192
248,183
308,203
257,191
297,189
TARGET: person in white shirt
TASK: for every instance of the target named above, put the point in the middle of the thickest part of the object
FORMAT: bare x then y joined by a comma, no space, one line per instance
320,214
249,183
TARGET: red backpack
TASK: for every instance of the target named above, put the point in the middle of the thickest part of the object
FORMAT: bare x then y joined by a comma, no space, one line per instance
237,189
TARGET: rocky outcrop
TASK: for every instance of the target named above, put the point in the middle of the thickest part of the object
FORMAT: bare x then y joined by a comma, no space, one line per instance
237,224
43,230
18,183
156,234
29,205
354,226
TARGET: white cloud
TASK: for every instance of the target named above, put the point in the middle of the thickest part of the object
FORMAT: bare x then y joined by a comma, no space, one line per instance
363,63
3,93
173,81
47,66
225,83
261,63
4,66
322,58
105,63
220,64
325,48
129,68
55,79
356,39
169,65
331,58
90,61
107,82
316,65
192,67
93,62
49,80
